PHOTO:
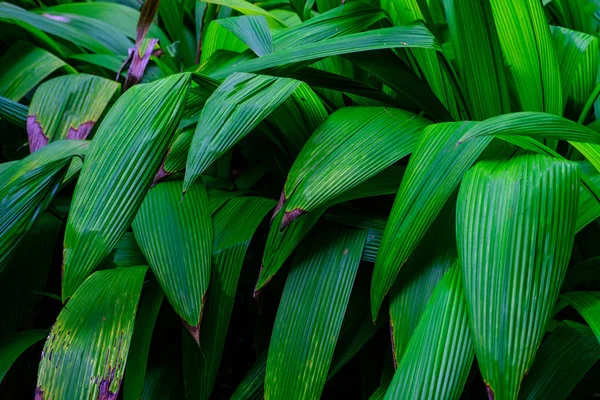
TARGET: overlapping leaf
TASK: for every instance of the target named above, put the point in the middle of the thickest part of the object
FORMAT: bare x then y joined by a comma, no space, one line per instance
13,345
310,314
176,238
352,145
588,305
234,226
440,352
67,107
126,153
85,354
28,186
515,230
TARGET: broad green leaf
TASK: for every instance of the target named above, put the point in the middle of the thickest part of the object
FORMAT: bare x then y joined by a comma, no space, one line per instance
234,226
429,64
310,314
588,305
247,8
515,229
385,38
26,273
440,352
23,67
110,62
128,252
96,29
561,362
67,107
280,244
140,341
413,93
218,38
118,16
175,235
14,344
578,15
528,49
352,145
28,186
240,103
252,30
578,61
478,57
30,20
433,173
125,155
13,112
426,266
85,354
381,391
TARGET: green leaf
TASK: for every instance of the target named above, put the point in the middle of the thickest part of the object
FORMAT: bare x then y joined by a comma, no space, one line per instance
128,252
118,16
378,39
352,145
310,314
85,354
440,352
140,341
534,72
526,209
13,112
280,244
433,173
252,386
13,345
245,7
252,30
161,383
32,21
409,296
478,57
588,305
578,61
176,239
218,38
234,226
125,155
28,186
68,107
238,105
561,362
23,67
429,64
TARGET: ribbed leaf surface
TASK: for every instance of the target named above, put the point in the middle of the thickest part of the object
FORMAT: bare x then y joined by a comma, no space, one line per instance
440,352
528,48
564,358
238,105
13,112
85,354
26,188
310,314
176,237
252,30
67,107
140,342
23,67
234,226
515,229
433,173
478,56
352,145
588,305
417,280
126,153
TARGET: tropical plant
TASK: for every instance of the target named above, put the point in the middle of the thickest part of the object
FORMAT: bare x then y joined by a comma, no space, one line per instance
300,199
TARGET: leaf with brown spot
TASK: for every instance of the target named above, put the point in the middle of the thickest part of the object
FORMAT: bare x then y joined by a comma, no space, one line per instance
68,107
